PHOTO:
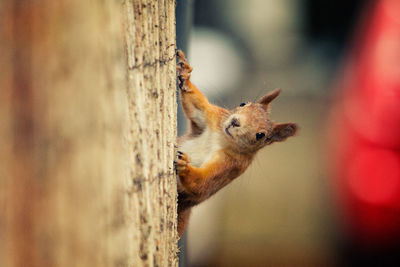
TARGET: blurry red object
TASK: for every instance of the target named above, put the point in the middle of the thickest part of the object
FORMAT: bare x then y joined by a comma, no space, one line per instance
365,129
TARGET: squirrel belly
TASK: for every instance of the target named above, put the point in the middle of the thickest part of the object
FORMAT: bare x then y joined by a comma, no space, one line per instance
201,148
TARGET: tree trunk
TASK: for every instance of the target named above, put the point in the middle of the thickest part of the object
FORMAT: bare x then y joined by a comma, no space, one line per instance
87,133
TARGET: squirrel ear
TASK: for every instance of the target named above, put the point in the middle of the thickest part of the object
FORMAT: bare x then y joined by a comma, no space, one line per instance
265,100
282,131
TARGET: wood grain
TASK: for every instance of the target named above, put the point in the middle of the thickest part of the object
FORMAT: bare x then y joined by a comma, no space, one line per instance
87,136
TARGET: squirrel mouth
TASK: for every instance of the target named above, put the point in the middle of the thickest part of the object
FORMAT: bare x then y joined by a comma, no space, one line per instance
227,131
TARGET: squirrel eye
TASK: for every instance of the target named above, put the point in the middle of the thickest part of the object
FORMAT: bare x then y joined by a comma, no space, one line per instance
259,136
242,104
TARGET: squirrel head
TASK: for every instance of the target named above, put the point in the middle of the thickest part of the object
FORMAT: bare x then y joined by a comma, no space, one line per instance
248,127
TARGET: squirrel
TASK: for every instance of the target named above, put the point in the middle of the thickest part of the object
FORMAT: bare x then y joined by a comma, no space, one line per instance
220,143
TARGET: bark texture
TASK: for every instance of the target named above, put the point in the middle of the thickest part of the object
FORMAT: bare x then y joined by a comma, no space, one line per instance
87,133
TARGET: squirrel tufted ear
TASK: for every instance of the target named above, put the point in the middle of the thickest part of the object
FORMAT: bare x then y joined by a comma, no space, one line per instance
265,100
282,131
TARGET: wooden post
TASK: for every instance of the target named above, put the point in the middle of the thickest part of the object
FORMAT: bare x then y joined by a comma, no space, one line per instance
87,133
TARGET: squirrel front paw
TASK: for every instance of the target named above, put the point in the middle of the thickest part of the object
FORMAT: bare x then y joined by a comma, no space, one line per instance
181,163
183,69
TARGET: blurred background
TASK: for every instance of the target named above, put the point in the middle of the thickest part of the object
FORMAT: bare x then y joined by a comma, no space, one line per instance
331,195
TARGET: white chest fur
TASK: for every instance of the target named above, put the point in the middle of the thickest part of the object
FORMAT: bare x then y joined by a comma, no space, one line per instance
201,148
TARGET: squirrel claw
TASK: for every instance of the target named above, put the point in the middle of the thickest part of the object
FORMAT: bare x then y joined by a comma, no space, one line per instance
183,69
180,155
181,163
180,55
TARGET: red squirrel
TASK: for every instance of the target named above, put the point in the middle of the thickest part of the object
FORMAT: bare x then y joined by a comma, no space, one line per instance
220,143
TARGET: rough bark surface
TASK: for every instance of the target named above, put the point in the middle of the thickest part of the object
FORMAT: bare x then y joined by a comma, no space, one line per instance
87,133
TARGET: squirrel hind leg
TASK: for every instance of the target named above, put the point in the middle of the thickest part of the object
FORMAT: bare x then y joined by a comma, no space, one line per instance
183,218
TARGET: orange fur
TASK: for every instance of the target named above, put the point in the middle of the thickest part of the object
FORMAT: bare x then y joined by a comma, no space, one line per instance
220,144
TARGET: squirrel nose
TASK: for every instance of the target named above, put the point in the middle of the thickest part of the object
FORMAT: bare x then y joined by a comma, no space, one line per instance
235,122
